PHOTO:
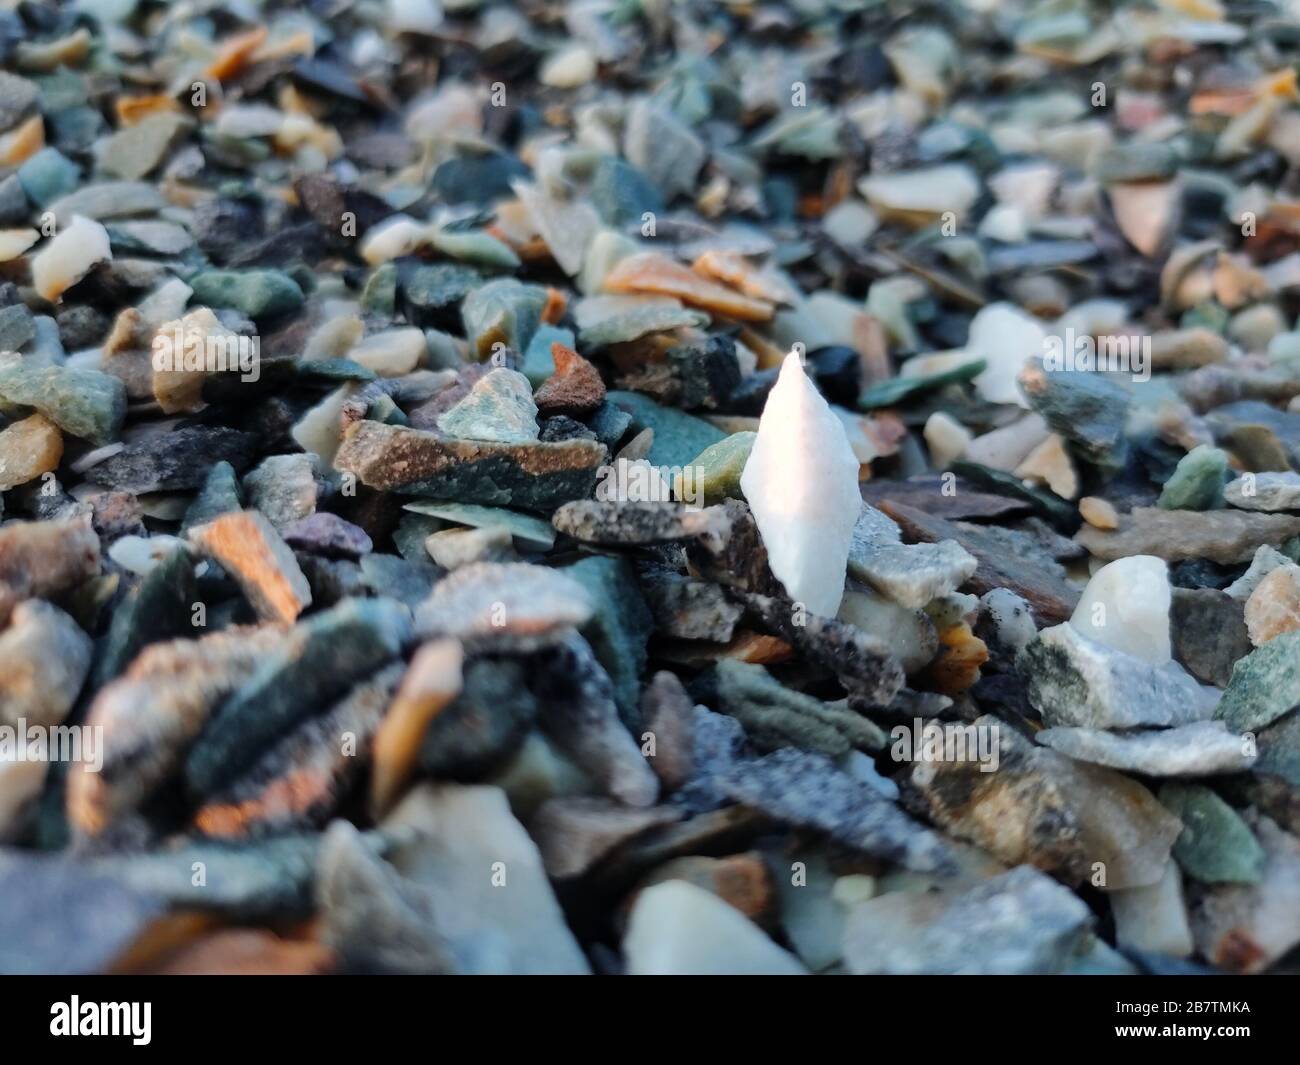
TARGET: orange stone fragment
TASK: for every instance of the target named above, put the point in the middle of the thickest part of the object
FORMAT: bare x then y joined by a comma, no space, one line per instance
235,54
28,448
250,549
135,109
957,666
19,145
430,685
650,273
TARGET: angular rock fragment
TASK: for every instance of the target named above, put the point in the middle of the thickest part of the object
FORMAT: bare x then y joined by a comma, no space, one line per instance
1216,846
801,484
302,779
1244,928
1076,681
678,929
248,547
534,476
454,836
1202,748
530,604
805,789
1223,536
1264,685
83,403
1019,923
318,659
152,714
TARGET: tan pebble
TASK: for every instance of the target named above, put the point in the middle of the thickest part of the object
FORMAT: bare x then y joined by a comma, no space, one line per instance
1274,606
1098,513
28,449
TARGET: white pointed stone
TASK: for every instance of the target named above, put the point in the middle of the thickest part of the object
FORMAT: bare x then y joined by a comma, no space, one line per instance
678,929
1126,607
801,482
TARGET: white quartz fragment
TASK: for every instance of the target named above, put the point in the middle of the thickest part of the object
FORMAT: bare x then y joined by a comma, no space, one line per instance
1126,607
1004,336
801,482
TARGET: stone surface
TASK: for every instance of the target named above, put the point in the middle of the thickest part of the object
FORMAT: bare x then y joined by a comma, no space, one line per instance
260,294
678,929
1264,685
1126,607
1264,491
1197,482
805,789
246,544
1202,748
1274,606
499,408
77,248
1020,923
28,448
1223,536
317,661
574,389
83,403
534,476
44,660
1208,633
532,604
1075,681
1244,928
1216,846
455,835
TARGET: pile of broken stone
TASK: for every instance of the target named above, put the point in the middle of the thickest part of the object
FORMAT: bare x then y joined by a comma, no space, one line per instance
643,523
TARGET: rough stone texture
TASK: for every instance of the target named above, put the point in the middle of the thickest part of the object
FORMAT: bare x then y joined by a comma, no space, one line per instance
1245,928
28,448
1265,491
498,408
1216,846
805,789
1223,536
83,403
486,599
1076,681
534,476
1264,685
1050,595
574,389
1274,606
1019,923
296,679
1202,748
458,835
1208,631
